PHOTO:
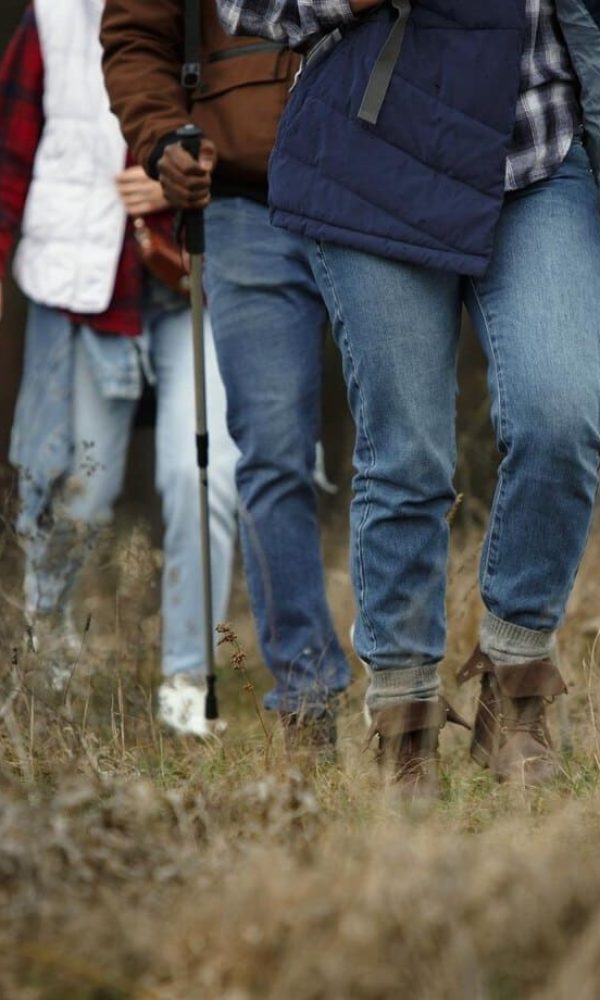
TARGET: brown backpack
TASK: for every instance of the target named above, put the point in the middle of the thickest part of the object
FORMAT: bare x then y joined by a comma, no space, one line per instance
238,90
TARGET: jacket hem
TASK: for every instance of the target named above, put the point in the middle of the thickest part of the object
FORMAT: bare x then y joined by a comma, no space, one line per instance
469,265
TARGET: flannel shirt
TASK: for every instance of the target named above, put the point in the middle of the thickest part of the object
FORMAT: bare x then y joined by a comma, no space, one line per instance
21,126
548,108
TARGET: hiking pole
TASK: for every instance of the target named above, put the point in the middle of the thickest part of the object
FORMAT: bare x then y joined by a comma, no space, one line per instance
193,241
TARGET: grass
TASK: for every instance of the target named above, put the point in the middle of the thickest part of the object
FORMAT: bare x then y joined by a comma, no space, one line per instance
136,865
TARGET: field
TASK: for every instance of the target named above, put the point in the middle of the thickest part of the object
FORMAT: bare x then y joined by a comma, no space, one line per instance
134,865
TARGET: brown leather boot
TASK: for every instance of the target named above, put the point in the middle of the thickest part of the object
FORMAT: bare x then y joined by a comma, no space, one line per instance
510,734
407,743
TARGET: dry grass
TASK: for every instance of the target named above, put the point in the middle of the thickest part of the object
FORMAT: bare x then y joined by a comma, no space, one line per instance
135,865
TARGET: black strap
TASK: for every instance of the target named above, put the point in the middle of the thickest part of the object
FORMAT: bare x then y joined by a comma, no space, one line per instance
191,70
381,74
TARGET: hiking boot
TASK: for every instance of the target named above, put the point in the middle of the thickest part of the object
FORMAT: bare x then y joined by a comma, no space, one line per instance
182,707
311,738
407,744
510,734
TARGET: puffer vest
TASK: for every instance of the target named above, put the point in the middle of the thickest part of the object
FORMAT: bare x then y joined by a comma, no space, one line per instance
74,221
395,139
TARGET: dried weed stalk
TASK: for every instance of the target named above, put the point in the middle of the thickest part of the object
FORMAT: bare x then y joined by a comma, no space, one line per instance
238,661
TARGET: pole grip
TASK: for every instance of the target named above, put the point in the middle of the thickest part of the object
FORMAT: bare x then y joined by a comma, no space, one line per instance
190,137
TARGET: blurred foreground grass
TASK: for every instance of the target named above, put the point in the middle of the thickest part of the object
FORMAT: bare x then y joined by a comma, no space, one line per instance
136,865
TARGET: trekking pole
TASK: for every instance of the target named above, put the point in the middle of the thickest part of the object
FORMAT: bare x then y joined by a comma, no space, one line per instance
193,241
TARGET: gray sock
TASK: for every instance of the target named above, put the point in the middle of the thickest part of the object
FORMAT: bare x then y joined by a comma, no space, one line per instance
505,643
390,687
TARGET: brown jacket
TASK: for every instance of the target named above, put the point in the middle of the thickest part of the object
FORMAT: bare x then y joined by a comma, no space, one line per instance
245,82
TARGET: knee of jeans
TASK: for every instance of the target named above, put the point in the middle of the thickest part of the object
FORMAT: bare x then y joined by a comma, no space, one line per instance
87,498
284,440
182,477
179,487
290,460
563,427
178,478
419,469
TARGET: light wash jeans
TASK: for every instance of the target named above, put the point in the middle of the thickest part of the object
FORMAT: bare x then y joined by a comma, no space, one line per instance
537,314
268,320
101,431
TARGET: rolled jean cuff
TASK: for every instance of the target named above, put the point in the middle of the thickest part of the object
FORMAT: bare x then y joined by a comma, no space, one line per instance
506,639
388,687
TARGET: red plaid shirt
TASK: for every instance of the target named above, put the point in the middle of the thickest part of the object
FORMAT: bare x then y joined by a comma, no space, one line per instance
21,125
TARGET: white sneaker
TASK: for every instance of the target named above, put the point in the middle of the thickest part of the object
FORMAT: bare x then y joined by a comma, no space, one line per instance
182,707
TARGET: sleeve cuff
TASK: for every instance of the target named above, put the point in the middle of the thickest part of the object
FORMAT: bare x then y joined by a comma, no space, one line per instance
157,152
338,12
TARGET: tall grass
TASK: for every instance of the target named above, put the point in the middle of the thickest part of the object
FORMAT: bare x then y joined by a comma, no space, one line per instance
136,865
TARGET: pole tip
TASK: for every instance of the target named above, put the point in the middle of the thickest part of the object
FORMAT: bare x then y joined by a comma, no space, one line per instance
212,704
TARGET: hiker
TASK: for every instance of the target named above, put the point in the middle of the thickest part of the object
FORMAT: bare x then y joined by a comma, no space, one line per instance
435,154
268,319
100,321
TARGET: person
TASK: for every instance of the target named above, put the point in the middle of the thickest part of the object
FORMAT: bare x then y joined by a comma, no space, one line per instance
98,322
434,154
268,319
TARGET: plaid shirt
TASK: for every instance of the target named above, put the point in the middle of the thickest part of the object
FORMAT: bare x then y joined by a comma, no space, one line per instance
21,126
548,108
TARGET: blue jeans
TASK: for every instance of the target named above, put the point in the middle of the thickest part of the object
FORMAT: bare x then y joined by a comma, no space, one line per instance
101,430
537,314
268,321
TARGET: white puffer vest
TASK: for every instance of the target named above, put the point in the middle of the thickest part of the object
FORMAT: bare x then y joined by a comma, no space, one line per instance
74,221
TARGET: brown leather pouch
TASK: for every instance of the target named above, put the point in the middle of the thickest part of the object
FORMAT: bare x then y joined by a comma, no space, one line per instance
243,89
239,103
162,258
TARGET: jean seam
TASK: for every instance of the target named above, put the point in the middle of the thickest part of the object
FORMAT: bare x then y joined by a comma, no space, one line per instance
497,511
363,423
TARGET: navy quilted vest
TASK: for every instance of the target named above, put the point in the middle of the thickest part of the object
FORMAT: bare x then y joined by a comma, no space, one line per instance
426,182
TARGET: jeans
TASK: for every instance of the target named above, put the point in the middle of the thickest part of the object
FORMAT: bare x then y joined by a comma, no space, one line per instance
268,321
101,430
537,315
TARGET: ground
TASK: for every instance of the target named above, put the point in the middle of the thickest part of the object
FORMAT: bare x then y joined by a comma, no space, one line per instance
136,865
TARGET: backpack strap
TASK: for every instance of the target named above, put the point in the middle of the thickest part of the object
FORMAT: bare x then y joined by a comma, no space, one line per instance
191,69
381,74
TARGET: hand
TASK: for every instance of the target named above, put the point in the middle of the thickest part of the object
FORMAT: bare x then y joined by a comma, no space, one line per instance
185,181
139,193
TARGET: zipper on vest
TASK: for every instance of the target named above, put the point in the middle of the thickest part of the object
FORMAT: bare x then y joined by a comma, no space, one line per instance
318,51
383,70
245,50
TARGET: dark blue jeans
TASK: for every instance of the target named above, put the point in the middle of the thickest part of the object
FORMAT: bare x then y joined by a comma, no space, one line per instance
537,314
268,320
